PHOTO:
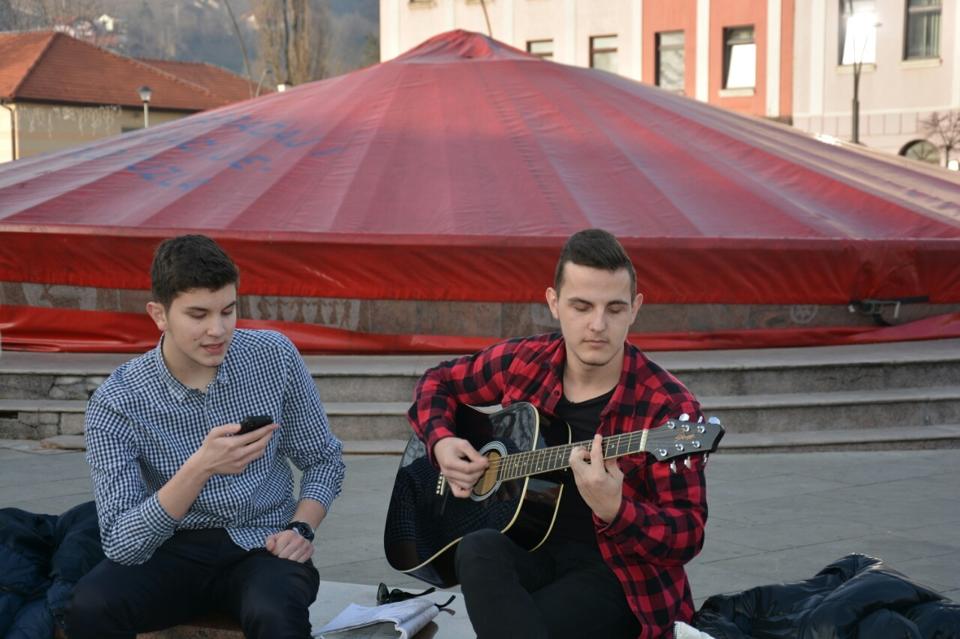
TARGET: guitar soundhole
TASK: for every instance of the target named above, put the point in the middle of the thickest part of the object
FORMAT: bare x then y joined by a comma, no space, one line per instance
488,483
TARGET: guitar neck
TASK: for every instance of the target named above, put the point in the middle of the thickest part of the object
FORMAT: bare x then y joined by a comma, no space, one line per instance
545,460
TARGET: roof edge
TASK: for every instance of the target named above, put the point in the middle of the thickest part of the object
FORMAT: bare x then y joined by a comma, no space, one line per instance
51,36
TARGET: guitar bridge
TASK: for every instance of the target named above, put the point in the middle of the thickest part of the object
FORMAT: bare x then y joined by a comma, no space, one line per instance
441,485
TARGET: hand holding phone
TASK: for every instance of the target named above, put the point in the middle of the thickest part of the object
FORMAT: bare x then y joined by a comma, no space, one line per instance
253,422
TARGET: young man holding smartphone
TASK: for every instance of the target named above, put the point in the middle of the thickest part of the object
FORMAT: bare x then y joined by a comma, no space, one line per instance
196,516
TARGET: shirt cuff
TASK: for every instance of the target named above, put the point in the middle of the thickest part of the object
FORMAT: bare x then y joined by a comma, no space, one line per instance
318,492
626,516
156,518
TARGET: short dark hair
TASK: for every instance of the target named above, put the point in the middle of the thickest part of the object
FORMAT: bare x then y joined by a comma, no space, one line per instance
187,262
595,248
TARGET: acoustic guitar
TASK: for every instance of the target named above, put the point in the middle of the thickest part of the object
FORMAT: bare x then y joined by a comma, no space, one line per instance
519,492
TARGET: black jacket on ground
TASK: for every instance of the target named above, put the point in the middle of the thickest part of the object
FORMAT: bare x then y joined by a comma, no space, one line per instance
41,558
855,597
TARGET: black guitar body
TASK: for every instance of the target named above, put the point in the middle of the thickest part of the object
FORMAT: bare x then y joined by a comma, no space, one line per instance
519,492
425,521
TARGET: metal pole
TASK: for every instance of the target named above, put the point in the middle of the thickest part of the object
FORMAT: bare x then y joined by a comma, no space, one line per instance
146,114
856,102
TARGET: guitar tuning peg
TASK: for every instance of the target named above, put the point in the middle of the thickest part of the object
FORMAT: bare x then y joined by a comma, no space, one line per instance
714,420
687,463
673,467
684,417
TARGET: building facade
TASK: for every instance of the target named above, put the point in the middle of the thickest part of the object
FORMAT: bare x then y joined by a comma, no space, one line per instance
787,60
57,91
731,53
910,69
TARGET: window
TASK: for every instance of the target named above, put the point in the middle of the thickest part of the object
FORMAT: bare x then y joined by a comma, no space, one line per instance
603,53
541,48
858,32
922,38
923,151
739,58
670,60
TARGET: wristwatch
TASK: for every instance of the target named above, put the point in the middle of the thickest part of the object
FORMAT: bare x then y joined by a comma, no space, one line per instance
302,528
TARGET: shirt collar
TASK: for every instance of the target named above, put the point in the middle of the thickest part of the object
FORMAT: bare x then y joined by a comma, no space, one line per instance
624,398
177,389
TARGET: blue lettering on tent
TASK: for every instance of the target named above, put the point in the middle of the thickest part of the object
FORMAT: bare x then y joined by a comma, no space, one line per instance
262,160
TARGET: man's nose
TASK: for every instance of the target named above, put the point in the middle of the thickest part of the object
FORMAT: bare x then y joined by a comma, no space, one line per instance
217,326
598,321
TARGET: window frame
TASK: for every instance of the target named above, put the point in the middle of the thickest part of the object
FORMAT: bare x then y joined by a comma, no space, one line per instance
542,56
594,50
728,55
923,12
658,50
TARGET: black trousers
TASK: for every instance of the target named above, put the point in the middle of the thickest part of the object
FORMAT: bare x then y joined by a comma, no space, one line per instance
562,589
194,572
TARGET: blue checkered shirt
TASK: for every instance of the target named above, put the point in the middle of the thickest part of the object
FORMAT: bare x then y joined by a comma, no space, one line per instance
142,424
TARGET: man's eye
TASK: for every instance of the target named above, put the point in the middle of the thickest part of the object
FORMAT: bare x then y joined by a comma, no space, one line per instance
196,316
616,309
581,308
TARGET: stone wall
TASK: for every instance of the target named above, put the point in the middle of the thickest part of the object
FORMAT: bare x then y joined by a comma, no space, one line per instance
467,318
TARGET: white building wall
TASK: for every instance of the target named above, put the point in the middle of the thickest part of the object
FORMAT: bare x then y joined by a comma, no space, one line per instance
895,94
569,23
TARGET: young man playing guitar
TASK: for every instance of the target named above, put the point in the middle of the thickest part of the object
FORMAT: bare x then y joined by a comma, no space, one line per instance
613,565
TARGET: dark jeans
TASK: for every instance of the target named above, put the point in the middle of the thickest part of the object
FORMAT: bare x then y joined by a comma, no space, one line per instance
194,572
562,589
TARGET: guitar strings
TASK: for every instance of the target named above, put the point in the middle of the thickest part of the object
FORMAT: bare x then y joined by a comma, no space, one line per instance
561,454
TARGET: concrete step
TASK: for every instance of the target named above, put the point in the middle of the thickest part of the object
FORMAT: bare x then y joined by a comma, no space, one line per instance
44,418
708,373
816,369
867,410
897,438
813,413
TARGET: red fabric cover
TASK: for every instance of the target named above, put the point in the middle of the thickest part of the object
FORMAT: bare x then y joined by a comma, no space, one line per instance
29,328
456,171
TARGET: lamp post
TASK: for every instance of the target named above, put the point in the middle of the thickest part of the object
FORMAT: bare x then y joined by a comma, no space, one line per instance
860,27
145,94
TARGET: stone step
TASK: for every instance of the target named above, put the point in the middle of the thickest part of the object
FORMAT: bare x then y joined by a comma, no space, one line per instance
43,418
901,407
392,378
896,438
769,413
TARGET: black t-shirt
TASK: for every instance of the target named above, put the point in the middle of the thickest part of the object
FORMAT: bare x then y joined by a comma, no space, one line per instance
574,518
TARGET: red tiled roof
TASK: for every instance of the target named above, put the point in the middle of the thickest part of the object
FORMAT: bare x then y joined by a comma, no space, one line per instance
219,81
53,67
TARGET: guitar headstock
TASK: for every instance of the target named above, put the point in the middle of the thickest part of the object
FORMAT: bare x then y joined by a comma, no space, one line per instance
680,437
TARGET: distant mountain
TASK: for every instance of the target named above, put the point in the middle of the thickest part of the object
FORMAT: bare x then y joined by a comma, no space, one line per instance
200,30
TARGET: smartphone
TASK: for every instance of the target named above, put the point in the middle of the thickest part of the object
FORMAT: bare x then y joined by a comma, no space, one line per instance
253,422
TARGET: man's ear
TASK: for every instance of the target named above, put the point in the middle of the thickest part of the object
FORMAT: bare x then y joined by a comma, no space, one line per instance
637,303
553,302
158,314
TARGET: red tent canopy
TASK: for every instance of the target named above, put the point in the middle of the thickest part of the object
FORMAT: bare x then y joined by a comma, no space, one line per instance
456,171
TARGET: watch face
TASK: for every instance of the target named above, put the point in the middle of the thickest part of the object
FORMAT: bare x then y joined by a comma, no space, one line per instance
302,529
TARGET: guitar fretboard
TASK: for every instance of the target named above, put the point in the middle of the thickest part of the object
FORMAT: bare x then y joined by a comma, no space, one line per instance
545,460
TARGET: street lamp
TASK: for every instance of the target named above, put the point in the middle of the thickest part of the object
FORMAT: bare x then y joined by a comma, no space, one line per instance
145,94
861,29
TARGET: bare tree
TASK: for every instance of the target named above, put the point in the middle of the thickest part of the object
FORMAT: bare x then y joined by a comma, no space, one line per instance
945,129
292,38
243,45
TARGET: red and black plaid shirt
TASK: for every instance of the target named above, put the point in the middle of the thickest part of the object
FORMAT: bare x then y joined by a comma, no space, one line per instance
659,527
